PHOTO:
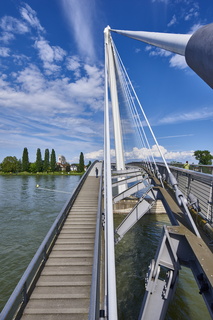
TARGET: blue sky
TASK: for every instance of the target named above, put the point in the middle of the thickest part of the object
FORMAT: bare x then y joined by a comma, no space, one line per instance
52,85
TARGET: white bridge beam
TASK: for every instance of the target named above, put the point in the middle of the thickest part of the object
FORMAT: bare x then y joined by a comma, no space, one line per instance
197,48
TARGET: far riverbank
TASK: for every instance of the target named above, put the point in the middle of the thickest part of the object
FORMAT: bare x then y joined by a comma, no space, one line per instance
62,173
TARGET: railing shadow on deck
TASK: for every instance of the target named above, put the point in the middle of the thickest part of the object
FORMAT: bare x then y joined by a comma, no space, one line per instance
20,296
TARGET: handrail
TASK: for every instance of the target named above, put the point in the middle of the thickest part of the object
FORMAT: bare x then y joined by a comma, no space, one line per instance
193,184
95,287
20,296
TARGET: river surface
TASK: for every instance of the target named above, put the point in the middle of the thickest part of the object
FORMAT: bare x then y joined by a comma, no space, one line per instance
27,213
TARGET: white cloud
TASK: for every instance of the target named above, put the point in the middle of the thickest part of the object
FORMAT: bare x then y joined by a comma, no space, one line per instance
94,155
49,54
202,114
195,27
12,25
144,153
20,59
178,61
192,13
80,17
6,37
172,21
30,16
4,52
61,109
73,64
31,80
164,1
159,52
148,48
177,136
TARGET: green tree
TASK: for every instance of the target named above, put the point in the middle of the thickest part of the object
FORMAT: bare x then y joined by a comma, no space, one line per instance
10,164
67,167
81,163
33,167
53,161
25,160
203,156
39,164
46,160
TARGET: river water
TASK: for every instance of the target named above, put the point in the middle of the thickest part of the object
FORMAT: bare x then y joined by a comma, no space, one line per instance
27,213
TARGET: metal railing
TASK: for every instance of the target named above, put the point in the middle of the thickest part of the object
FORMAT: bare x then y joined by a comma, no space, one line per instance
197,167
194,184
94,309
20,296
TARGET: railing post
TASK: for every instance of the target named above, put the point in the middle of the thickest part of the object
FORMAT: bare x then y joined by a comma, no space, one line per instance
24,292
188,184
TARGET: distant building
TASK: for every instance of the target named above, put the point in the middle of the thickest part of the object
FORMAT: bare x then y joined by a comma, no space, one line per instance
73,167
61,159
62,163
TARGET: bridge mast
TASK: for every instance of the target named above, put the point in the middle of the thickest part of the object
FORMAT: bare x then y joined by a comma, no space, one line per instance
120,164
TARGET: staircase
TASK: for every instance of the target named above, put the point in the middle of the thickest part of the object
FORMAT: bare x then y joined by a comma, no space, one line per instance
63,289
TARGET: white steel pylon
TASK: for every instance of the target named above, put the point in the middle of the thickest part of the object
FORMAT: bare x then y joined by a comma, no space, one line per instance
120,164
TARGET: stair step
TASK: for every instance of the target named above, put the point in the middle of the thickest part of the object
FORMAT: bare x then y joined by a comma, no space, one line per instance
80,246
62,241
72,254
64,284
67,270
68,235
61,261
75,316
55,311
78,290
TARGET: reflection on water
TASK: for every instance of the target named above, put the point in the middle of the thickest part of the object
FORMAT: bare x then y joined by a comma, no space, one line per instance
133,256
26,214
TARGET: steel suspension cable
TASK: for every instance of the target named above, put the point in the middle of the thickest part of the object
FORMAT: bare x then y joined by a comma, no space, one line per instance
179,195
135,115
145,117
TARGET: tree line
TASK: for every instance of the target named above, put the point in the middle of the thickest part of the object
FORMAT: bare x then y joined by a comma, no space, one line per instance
48,164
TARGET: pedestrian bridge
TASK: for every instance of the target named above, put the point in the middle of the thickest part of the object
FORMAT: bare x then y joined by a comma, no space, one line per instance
67,277
72,275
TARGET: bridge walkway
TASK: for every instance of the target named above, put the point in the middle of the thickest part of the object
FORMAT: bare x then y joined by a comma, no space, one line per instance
63,289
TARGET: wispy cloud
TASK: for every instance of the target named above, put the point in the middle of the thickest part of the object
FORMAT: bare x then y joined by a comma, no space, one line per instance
80,17
12,25
202,114
172,21
175,61
4,52
193,12
159,52
30,16
177,136
164,1
185,10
